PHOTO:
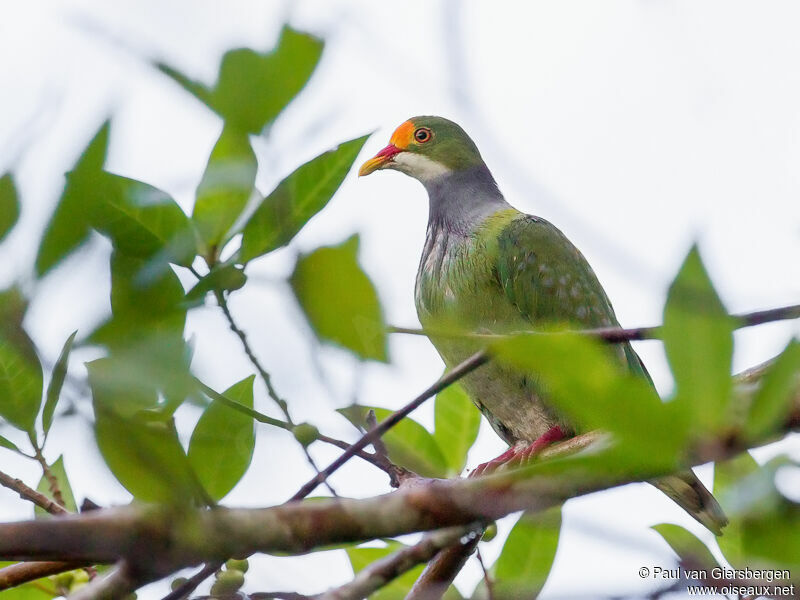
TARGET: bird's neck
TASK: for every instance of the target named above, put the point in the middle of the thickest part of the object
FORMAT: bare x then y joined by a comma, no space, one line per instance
460,200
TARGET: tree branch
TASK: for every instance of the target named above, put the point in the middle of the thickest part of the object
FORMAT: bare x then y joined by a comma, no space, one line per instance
27,493
381,572
14,575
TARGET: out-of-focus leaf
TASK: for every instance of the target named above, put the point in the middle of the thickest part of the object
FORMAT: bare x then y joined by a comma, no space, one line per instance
735,500
398,588
586,382
141,220
253,88
69,226
689,549
6,443
409,444
524,563
698,340
222,278
56,383
140,448
21,378
197,89
227,185
457,421
774,396
339,300
9,205
58,471
296,199
222,443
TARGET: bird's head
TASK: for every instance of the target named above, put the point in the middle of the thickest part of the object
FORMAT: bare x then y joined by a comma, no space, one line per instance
426,148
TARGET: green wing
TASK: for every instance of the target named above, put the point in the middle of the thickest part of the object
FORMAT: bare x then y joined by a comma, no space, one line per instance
550,282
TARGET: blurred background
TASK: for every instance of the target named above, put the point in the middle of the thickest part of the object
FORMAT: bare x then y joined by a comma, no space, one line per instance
636,126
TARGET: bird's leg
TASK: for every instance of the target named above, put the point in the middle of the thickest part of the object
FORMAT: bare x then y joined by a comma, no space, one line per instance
521,453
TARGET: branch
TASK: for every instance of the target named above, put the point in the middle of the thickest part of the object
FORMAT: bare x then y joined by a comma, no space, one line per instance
469,365
191,584
118,584
618,335
378,574
17,574
27,493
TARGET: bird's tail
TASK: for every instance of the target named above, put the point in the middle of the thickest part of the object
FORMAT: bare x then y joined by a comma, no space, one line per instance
693,497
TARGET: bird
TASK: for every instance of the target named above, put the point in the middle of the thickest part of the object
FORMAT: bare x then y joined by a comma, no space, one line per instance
488,267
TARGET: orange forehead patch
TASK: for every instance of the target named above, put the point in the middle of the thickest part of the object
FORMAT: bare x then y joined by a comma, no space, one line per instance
403,135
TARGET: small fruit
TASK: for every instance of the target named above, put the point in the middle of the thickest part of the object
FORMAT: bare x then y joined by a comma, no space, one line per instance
227,583
177,582
63,581
305,433
490,532
237,565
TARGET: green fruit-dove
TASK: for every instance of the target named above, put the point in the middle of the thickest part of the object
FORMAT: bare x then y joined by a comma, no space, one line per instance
488,267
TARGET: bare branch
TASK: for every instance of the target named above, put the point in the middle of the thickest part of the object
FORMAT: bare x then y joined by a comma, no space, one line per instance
27,493
191,584
381,572
14,575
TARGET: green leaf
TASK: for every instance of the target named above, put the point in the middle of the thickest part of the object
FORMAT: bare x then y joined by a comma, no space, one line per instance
21,379
140,447
398,588
408,443
197,89
221,278
6,443
227,185
527,556
9,205
58,471
774,397
457,421
69,226
253,87
141,220
587,383
698,340
300,196
734,499
222,443
339,300
56,383
689,549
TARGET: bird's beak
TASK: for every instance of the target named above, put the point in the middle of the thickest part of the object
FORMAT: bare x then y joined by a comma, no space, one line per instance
380,161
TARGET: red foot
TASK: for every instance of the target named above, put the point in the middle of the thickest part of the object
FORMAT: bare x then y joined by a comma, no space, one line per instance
518,454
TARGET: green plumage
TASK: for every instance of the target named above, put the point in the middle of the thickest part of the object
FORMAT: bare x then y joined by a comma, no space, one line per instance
487,267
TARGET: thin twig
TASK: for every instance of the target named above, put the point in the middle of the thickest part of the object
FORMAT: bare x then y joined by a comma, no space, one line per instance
266,378
27,493
487,579
191,584
615,335
52,482
391,469
464,368
24,572
378,574
397,474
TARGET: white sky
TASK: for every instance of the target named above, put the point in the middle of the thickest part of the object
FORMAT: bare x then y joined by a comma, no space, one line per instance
635,126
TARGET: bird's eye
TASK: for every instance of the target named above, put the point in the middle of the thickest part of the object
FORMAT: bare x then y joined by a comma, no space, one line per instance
422,135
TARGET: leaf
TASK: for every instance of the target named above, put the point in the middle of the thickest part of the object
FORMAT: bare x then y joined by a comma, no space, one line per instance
527,556
56,383
69,226
299,197
141,220
457,421
9,205
221,278
253,88
21,379
140,448
6,443
408,443
58,471
698,340
227,184
585,382
197,89
398,588
222,443
689,549
773,399
734,498
339,300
